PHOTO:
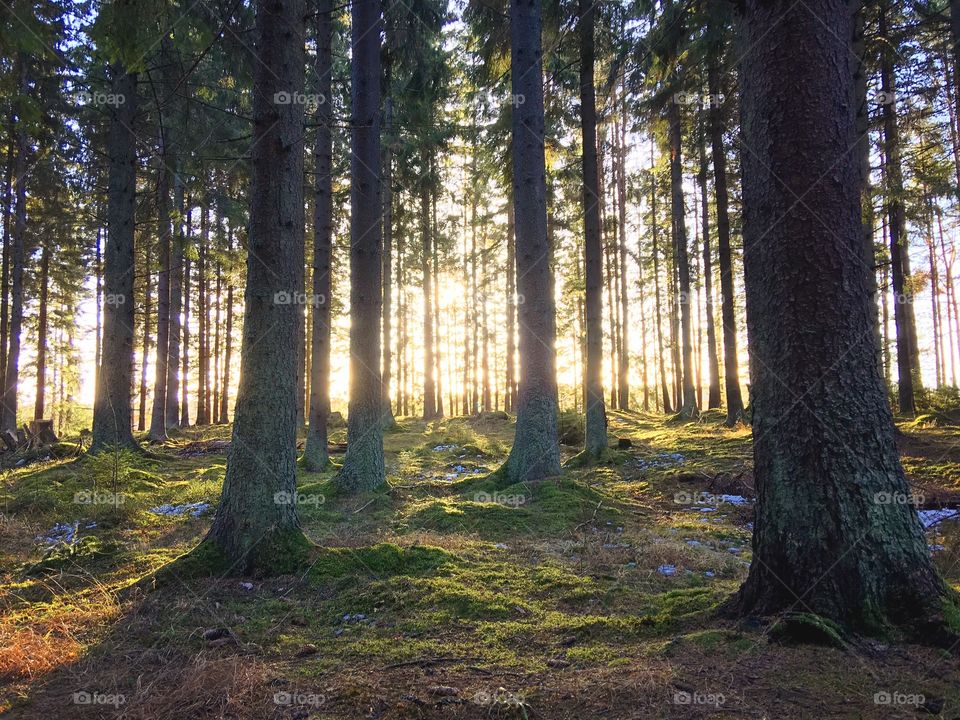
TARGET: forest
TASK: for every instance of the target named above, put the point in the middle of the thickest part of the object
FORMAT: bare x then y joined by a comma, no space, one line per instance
541,359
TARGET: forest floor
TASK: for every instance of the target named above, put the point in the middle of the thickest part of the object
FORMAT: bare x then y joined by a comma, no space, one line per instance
594,595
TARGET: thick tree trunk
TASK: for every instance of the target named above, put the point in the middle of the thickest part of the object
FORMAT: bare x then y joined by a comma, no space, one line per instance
39,406
535,453
596,426
363,466
256,526
731,363
833,535
5,257
111,411
315,455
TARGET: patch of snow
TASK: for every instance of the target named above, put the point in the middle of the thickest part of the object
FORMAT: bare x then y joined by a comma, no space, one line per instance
667,570
929,518
194,509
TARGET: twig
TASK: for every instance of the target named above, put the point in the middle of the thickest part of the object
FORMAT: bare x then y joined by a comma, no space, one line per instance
592,518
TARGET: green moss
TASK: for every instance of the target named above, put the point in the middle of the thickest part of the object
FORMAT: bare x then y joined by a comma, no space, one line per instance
807,629
379,560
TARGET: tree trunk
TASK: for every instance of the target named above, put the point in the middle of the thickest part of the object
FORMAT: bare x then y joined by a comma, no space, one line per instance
145,349
535,453
111,412
655,225
5,257
688,408
713,395
39,409
832,535
315,455
429,386
227,345
256,526
387,363
731,364
620,150
510,398
595,442
176,306
158,425
185,360
363,467
896,213
18,260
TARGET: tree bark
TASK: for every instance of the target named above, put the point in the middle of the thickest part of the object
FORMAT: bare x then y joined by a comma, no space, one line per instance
18,259
39,406
713,364
828,539
112,412
429,385
315,455
596,421
731,363
256,526
536,452
363,465
897,218
688,407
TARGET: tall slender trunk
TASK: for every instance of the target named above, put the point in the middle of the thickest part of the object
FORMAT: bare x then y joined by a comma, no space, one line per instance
436,301
315,451
387,363
145,344
158,425
39,407
217,387
907,384
185,360
688,407
623,371
177,255
655,229
596,422
111,411
429,386
17,262
363,465
713,363
256,526
535,453
5,257
731,363
510,398
227,343
823,531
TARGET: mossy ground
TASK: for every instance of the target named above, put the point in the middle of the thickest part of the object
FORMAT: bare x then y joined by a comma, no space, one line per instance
590,595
